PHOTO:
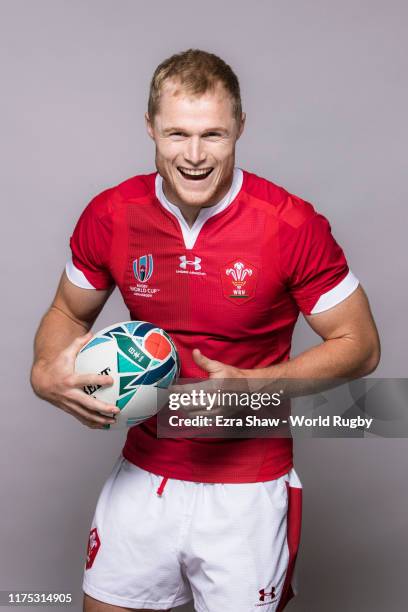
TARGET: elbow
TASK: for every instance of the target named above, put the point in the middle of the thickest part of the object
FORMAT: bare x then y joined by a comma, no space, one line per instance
371,358
34,380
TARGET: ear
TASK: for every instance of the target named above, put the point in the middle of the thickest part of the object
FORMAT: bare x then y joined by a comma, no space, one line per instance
241,125
149,126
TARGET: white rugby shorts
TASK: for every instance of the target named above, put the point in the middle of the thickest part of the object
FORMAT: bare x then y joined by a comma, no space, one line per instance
160,542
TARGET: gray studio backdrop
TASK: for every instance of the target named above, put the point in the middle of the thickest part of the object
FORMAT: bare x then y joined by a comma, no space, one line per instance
324,86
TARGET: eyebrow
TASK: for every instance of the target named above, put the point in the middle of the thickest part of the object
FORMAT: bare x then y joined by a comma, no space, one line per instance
180,129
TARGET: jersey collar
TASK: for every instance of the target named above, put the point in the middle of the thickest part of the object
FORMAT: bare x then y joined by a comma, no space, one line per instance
190,234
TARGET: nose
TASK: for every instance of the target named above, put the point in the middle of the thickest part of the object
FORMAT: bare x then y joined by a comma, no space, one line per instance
194,152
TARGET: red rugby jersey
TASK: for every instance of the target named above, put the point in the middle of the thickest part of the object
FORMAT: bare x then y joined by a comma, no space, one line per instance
188,281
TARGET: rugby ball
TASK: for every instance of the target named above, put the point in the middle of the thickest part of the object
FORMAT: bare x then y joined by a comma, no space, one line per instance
142,360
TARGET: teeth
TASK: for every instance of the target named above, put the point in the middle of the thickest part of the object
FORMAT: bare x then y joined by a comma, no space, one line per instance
194,172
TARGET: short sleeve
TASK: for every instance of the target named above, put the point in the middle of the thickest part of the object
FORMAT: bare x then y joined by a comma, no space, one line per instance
91,246
316,270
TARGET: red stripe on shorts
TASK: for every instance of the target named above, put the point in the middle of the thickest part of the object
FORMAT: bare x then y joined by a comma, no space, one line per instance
294,520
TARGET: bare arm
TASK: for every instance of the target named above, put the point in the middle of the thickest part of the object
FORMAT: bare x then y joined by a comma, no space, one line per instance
350,347
61,334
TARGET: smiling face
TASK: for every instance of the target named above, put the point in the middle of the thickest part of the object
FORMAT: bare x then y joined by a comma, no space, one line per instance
195,140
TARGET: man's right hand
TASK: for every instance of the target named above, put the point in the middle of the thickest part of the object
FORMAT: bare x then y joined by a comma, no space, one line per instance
56,381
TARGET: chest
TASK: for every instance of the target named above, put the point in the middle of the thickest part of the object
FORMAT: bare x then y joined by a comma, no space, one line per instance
226,282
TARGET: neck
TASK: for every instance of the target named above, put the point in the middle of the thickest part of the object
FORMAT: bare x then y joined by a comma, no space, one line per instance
191,212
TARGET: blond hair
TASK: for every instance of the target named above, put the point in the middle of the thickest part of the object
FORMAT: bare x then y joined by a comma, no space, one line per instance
197,72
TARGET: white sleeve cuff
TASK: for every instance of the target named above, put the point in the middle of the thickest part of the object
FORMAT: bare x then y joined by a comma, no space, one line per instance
336,295
77,277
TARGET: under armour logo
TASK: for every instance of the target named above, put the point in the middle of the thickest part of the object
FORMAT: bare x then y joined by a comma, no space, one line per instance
262,594
184,262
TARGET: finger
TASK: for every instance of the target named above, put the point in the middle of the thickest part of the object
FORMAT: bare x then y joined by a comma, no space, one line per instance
89,424
87,415
207,385
209,365
87,380
75,346
92,403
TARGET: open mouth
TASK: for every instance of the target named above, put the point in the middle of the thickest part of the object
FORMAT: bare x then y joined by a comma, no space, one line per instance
194,175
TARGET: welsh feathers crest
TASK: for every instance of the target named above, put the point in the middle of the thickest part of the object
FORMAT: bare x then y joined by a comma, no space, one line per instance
239,279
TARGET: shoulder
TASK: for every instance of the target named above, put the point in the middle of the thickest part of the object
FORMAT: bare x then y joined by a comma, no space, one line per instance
276,201
136,188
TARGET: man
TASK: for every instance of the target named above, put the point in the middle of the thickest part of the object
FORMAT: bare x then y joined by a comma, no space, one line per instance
217,520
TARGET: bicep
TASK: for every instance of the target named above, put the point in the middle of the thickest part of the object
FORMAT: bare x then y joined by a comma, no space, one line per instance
81,305
350,318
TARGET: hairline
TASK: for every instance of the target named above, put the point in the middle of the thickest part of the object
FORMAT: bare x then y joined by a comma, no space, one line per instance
154,106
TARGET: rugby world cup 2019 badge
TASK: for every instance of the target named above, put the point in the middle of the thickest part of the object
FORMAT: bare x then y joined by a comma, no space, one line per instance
143,268
143,272
239,279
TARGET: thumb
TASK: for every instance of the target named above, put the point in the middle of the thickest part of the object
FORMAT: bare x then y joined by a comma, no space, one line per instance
79,343
209,365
